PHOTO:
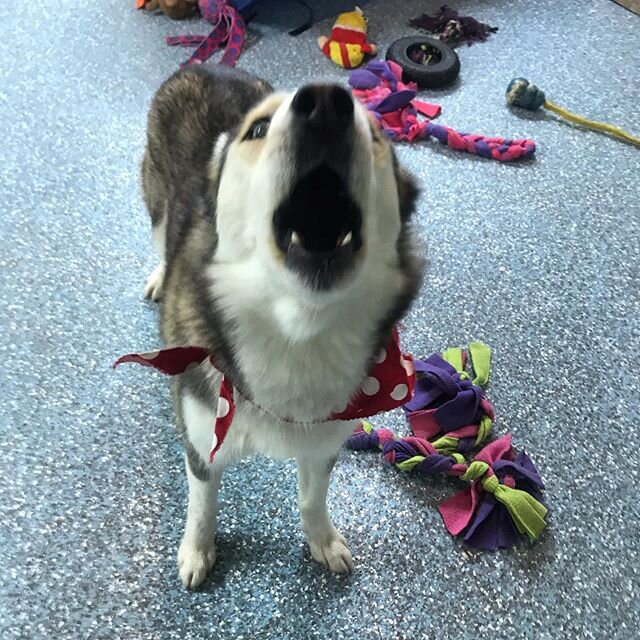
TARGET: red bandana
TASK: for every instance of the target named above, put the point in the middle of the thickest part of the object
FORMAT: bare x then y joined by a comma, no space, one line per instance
388,386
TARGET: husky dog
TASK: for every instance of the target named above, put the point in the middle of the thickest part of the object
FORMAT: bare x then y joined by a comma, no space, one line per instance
281,221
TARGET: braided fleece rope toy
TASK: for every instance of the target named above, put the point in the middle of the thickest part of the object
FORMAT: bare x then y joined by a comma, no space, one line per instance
502,501
379,87
228,27
526,95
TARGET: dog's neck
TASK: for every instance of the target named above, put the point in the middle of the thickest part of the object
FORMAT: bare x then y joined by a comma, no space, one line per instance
299,359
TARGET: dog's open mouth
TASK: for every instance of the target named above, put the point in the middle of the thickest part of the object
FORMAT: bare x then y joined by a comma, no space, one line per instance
318,228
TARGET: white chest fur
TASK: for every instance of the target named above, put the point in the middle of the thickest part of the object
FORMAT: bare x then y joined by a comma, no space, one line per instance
303,360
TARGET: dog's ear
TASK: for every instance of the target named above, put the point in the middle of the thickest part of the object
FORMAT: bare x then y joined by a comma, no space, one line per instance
407,191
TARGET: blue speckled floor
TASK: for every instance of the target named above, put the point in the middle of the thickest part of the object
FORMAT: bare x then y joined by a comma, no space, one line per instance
538,259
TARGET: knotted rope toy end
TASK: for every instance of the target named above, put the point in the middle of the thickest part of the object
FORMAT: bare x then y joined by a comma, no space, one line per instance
526,95
450,416
521,93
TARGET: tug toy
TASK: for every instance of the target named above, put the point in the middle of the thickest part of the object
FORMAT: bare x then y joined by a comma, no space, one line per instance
521,93
347,45
449,416
450,27
379,87
228,29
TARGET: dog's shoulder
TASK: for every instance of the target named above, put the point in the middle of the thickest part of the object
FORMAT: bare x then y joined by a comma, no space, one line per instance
191,109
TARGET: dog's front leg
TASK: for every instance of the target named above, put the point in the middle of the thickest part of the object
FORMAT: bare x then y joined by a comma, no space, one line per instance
326,543
197,551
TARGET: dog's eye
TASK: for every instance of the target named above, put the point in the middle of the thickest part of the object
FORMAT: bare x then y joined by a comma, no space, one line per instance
258,129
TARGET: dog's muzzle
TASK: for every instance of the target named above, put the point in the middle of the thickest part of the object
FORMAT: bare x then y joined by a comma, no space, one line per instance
318,226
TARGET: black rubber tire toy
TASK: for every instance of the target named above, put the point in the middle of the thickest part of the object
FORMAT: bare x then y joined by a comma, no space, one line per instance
439,73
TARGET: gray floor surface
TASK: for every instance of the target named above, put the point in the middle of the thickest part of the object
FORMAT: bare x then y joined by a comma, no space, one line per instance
539,259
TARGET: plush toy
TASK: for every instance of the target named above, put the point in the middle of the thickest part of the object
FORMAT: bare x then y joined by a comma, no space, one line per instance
347,45
176,9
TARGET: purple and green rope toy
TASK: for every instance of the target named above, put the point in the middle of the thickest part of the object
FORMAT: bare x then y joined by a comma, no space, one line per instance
393,105
449,416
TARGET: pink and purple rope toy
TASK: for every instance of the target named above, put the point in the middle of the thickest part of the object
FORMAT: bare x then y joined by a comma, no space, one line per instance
379,87
228,29
450,417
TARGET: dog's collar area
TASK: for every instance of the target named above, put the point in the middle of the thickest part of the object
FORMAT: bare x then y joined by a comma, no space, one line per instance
389,385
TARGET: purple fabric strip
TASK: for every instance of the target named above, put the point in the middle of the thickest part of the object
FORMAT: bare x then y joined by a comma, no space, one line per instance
461,410
491,527
435,463
437,380
394,101
465,445
382,69
518,471
362,441
403,450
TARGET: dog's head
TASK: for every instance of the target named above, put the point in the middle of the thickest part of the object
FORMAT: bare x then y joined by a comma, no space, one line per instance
308,187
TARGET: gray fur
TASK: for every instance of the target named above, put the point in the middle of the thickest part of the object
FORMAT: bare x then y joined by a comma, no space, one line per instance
190,110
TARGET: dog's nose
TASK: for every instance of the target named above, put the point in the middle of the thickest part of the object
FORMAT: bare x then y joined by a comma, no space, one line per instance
324,106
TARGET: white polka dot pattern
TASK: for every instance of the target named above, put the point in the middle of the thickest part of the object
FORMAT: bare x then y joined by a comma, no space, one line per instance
370,386
223,407
400,392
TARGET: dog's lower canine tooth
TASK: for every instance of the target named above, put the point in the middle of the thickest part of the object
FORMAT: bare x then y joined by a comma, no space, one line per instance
346,240
295,238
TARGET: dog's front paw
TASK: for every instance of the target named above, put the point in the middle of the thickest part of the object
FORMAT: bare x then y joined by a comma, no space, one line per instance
194,563
153,287
332,551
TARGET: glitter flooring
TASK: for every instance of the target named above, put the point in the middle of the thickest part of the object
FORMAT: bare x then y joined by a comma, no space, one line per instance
539,259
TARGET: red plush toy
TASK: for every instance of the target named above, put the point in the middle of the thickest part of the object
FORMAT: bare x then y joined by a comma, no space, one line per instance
347,45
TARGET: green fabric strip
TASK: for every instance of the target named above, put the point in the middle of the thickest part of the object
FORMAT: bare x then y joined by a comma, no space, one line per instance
476,470
526,512
454,357
484,429
367,427
408,465
446,444
481,360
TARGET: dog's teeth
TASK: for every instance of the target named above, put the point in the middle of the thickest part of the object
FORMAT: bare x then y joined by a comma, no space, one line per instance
295,238
346,240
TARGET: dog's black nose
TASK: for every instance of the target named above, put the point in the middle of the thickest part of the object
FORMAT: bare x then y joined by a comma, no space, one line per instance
327,107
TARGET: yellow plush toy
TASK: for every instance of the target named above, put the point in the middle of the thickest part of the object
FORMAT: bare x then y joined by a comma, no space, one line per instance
347,45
